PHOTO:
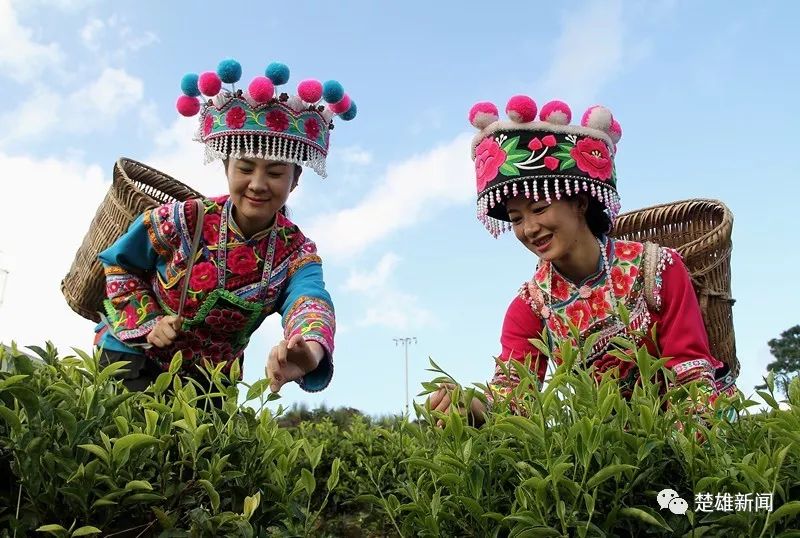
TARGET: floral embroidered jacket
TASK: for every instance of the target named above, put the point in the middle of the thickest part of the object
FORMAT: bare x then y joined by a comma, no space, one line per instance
235,284
550,300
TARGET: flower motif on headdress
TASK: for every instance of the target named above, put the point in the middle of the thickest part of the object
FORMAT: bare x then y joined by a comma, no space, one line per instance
277,120
208,124
311,126
235,117
592,157
489,157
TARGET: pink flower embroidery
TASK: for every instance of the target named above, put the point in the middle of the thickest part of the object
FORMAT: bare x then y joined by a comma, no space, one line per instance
131,317
592,157
277,121
112,288
628,250
208,124
311,125
489,157
235,117
535,144
598,303
549,141
204,277
557,326
211,229
560,288
242,260
579,314
167,228
227,321
163,211
551,163
622,282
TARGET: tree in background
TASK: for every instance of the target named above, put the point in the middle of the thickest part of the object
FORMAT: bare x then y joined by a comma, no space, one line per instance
786,351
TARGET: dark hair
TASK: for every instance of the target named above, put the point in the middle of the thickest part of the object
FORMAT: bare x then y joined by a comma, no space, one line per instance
596,218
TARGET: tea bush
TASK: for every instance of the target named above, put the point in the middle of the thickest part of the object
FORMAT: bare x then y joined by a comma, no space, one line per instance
79,455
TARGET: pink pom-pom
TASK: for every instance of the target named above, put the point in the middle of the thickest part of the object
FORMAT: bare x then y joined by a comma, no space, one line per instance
209,83
310,90
481,115
615,132
187,106
261,89
521,109
342,106
597,117
556,112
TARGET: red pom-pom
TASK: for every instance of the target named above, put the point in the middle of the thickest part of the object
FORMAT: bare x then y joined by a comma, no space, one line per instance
209,83
342,106
310,90
597,117
187,106
261,89
481,115
521,109
556,112
615,131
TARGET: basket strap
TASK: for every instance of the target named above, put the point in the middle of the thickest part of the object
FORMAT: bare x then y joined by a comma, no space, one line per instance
198,230
651,256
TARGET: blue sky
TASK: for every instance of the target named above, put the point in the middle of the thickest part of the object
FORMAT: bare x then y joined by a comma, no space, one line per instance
704,94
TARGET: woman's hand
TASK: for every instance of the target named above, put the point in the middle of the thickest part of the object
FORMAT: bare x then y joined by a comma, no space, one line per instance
441,400
165,332
290,360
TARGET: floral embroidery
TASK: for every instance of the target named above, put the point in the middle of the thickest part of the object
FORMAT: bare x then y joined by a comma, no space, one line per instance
242,260
227,321
235,118
579,314
488,159
277,120
208,124
204,277
560,289
622,281
598,303
592,156
211,229
629,250
311,126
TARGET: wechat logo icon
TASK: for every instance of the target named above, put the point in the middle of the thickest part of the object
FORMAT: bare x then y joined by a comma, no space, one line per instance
668,498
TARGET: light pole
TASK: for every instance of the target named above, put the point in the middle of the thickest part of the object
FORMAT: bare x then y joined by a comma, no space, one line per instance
406,342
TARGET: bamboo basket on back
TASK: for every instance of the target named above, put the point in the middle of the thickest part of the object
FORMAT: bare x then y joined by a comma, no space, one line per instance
136,188
700,230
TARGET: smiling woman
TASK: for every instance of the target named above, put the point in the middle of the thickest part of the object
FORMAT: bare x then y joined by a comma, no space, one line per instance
201,276
555,186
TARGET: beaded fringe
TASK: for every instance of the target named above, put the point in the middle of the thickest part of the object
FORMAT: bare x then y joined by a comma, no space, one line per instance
266,147
605,195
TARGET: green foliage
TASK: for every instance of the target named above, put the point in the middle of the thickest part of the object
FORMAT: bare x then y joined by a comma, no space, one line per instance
81,456
786,351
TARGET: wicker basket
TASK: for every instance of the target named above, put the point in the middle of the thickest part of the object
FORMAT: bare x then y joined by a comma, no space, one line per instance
136,188
700,230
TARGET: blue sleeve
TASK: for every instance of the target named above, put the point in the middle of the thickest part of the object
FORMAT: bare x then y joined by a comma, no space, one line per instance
306,308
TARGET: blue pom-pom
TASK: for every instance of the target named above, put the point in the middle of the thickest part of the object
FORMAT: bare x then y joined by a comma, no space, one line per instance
278,73
229,71
189,85
332,91
351,112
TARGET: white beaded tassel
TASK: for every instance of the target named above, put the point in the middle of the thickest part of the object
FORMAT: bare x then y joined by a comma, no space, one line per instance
527,189
558,191
546,191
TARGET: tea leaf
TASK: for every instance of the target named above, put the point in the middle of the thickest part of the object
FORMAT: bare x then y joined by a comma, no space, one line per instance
647,515
86,531
250,505
307,480
213,495
608,472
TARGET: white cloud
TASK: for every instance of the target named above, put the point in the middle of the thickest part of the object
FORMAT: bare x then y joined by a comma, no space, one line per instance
363,281
408,193
386,305
95,107
355,155
588,53
113,38
43,232
61,5
22,58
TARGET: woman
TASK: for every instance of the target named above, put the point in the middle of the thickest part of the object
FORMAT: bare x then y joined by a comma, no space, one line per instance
165,295
554,185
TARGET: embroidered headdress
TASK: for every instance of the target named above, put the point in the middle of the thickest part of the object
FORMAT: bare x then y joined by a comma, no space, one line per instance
542,159
260,122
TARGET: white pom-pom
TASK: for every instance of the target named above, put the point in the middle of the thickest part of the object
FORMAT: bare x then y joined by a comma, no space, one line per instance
296,103
598,117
